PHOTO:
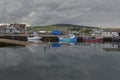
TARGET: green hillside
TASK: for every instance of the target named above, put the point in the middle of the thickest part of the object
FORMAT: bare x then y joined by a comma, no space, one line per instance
59,27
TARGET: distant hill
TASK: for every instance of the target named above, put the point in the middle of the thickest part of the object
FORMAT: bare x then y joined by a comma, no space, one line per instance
59,26
72,25
68,25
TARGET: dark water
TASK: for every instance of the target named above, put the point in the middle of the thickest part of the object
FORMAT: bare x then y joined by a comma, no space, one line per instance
83,61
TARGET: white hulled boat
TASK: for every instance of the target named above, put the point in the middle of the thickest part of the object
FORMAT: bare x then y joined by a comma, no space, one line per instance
34,37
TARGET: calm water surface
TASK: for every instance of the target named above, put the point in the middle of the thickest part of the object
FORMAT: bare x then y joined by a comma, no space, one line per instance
82,61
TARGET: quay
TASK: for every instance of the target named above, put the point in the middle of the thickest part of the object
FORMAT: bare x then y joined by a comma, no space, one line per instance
15,37
22,40
20,32
16,42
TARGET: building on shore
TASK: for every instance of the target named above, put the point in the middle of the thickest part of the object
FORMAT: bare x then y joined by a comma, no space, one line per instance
12,28
111,32
3,28
18,28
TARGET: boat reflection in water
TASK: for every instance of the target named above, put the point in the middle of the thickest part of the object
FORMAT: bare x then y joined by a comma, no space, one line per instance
60,44
72,42
34,40
55,44
104,46
79,62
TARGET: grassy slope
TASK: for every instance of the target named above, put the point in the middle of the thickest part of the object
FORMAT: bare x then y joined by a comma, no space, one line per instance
44,28
49,28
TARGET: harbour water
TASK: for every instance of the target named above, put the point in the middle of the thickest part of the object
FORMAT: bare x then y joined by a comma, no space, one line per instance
82,61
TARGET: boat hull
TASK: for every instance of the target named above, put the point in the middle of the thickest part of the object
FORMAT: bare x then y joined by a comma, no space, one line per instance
34,38
92,40
68,39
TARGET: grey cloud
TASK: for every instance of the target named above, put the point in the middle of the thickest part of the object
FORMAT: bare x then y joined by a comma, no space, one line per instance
42,12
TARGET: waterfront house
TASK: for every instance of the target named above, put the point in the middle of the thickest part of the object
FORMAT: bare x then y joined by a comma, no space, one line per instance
3,28
111,33
9,29
96,32
17,28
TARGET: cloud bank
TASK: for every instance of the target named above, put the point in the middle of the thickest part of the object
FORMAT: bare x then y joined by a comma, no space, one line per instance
44,12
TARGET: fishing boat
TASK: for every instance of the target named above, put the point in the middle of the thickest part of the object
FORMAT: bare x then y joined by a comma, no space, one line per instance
34,37
90,39
70,38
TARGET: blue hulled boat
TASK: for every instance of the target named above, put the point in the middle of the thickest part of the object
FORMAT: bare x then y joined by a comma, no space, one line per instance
71,38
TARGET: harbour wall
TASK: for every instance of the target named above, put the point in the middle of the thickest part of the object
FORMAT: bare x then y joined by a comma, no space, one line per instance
54,38
19,38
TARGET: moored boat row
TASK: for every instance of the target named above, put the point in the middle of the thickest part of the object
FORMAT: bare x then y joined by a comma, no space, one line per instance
72,38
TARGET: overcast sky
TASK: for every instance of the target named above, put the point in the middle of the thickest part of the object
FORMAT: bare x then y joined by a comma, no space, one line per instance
104,13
